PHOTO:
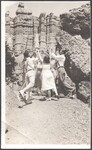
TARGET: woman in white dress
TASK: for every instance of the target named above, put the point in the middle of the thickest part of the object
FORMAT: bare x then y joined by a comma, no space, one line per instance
48,81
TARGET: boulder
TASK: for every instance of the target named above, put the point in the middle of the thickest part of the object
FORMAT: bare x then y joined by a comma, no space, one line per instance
83,92
77,21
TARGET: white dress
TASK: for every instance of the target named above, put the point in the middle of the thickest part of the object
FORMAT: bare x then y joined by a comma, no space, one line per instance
48,81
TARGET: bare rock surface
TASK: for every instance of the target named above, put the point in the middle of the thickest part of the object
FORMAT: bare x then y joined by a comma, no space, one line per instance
77,21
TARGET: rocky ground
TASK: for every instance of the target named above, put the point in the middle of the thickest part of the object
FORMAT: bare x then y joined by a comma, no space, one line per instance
63,121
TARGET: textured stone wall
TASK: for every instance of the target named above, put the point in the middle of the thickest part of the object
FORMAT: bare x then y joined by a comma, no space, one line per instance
53,29
77,21
42,31
26,27
23,30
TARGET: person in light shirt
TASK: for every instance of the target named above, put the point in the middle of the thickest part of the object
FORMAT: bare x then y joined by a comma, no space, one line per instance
30,74
62,83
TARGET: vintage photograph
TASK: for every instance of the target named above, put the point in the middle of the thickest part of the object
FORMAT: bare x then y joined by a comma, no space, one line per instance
46,65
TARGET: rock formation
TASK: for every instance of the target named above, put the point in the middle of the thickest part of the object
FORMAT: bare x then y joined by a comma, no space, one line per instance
77,21
70,31
23,30
26,26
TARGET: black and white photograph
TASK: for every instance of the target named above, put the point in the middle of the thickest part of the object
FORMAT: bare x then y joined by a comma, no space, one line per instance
45,74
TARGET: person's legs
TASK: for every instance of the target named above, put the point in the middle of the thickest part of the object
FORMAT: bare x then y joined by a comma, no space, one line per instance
61,74
27,82
27,88
31,77
38,81
49,94
59,80
55,90
63,84
31,80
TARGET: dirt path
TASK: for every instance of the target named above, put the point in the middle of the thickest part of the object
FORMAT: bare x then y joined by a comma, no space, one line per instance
65,121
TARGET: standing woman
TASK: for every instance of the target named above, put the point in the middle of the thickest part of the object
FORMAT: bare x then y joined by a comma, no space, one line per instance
48,82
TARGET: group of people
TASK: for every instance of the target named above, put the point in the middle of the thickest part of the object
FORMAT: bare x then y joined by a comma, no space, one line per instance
46,73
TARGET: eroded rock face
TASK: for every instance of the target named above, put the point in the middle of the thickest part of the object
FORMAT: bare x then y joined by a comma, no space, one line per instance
77,21
26,27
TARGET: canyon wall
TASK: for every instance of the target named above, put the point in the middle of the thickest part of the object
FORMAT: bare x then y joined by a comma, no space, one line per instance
70,32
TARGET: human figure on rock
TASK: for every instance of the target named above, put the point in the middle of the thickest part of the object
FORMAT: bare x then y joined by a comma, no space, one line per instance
63,86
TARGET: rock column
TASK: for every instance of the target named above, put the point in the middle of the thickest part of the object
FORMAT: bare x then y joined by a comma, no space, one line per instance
42,32
36,35
52,29
29,33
